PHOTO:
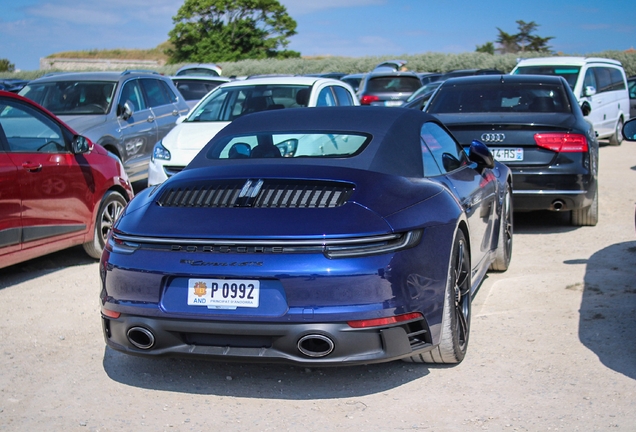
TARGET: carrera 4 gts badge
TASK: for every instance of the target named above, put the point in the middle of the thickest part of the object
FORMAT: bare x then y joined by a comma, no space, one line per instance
199,263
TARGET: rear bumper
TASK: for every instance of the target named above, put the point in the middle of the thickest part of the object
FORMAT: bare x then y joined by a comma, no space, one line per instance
550,200
557,192
268,343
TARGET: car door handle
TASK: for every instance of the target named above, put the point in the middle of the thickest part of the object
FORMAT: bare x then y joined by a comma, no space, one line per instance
32,167
175,113
151,119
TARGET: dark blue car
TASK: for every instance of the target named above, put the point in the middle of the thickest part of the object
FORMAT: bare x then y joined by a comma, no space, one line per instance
328,236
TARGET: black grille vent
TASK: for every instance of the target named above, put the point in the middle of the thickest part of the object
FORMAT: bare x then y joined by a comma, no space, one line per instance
258,193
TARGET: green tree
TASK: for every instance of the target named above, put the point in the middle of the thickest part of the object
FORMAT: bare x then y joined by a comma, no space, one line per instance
231,30
488,48
508,43
6,66
523,41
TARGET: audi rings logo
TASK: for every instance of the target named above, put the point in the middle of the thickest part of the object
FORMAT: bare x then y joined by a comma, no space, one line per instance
493,137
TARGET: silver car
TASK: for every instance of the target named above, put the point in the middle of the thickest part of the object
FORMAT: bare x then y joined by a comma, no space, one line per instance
126,112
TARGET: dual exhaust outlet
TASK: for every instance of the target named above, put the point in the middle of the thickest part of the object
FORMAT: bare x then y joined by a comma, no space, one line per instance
311,345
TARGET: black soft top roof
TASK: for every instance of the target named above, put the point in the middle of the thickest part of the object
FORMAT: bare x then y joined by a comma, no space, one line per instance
394,147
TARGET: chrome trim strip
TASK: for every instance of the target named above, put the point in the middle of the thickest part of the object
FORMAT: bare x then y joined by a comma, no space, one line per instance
218,242
549,192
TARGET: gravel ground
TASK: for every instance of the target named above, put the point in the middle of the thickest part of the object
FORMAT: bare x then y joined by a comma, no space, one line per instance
552,348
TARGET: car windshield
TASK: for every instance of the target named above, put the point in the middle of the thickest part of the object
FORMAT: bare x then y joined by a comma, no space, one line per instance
403,84
500,98
228,103
570,73
288,145
194,89
424,89
198,71
72,97
352,81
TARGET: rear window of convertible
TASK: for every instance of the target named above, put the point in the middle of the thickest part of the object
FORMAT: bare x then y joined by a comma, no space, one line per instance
289,145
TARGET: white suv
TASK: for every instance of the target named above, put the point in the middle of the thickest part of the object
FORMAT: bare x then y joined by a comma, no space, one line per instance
599,84
231,100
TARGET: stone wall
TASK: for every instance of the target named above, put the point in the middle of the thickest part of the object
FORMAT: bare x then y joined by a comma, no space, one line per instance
67,64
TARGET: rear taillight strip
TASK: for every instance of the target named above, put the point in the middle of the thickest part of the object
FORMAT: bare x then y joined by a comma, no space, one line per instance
562,142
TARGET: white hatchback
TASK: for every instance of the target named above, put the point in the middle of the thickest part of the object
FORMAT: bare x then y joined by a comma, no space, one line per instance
231,100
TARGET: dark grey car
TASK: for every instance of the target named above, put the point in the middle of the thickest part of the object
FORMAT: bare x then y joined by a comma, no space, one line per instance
533,124
126,112
388,88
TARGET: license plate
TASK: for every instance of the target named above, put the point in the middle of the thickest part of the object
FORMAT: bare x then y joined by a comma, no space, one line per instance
223,293
507,154
393,103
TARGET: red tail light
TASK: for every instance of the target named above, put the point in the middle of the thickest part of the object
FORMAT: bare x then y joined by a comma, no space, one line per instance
379,322
110,314
562,142
367,99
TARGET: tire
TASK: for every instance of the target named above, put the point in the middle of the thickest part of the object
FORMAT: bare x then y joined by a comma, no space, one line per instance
586,216
110,208
457,310
617,138
503,254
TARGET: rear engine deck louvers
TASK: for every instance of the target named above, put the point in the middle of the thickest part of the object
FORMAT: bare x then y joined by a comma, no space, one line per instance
258,194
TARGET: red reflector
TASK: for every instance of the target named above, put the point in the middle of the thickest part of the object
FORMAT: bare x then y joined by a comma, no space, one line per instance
379,322
367,99
110,313
562,142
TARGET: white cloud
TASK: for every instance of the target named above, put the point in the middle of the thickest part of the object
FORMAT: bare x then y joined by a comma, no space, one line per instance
303,7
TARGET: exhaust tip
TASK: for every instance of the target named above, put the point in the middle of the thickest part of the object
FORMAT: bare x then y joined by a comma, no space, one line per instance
141,337
558,205
315,345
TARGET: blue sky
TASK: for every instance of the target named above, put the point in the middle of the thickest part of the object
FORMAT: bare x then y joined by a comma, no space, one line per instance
31,29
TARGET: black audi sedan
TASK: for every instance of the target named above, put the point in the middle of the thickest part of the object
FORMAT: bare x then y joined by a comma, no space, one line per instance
535,126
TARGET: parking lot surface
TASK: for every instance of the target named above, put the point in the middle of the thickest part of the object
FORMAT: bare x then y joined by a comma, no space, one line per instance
552,347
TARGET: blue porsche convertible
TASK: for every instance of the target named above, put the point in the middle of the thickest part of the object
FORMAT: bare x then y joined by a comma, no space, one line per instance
323,237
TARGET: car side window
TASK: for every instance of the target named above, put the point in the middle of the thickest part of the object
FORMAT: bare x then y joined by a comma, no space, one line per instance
589,80
343,96
618,83
325,97
167,91
29,131
603,79
632,89
155,94
131,92
446,153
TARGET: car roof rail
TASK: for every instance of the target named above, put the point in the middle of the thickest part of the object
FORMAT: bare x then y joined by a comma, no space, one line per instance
53,74
130,71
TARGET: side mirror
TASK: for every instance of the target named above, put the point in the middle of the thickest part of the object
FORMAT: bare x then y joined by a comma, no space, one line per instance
629,130
481,155
125,111
589,91
81,145
180,119
586,108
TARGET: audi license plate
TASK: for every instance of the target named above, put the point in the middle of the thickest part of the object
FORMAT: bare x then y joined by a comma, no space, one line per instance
223,293
394,103
507,154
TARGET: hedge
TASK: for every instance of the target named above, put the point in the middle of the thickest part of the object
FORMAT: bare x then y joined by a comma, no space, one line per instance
427,62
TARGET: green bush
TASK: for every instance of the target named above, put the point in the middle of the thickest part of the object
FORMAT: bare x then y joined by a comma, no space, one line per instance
427,62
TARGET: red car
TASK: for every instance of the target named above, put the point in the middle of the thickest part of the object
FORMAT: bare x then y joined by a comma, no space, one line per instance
57,189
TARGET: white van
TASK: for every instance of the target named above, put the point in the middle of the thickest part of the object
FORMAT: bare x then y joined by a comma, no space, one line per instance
599,84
